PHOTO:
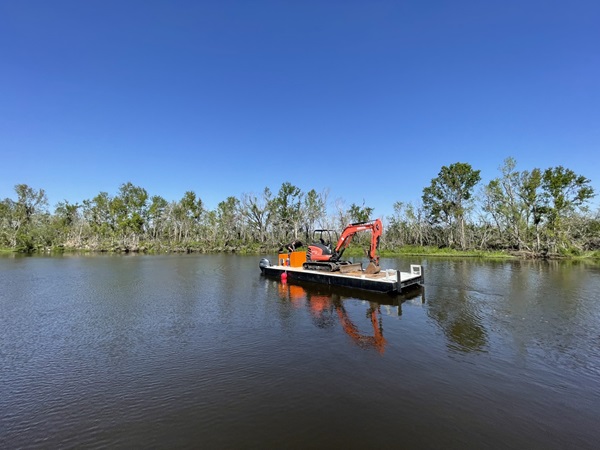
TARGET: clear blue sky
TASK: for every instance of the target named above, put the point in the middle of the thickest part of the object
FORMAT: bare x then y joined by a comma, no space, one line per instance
368,99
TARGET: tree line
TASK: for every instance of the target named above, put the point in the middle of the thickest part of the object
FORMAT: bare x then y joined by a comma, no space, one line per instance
537,213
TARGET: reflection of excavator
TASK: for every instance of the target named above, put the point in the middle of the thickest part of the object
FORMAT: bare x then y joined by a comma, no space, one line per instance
320,255
377,341
321,308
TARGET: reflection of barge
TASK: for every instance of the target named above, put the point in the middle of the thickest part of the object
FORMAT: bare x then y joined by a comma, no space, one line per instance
386,281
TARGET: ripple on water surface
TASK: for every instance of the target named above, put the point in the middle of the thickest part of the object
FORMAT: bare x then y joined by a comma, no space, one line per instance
183,350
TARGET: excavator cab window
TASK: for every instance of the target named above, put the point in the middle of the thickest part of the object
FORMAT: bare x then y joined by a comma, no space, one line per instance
325,237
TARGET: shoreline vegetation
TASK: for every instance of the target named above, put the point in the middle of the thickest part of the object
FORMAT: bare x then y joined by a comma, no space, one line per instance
350,252
541,214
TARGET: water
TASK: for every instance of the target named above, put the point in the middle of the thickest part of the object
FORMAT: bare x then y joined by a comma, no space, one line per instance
202,351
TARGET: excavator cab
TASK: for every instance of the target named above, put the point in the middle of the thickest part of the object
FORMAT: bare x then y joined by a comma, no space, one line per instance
321,247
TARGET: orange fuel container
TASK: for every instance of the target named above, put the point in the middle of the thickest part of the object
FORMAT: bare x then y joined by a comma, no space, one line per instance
293,259
297,258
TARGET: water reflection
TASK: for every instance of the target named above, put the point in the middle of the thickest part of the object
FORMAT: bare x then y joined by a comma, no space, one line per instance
169,351
461,323
459,292
328,309
536,307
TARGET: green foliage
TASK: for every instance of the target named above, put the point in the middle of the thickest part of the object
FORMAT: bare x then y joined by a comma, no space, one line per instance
22,221
570,252
286,209
534,213
416,250
360,213
564,192
446,200
314,209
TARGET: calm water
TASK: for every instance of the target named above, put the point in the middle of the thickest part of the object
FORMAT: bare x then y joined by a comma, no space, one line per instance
202,351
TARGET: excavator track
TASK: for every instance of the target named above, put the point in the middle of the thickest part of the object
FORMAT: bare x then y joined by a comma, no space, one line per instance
322,266
328,266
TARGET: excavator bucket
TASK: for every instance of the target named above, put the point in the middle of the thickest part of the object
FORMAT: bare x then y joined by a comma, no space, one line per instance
372,268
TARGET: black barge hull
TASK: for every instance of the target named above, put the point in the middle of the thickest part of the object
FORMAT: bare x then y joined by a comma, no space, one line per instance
387,281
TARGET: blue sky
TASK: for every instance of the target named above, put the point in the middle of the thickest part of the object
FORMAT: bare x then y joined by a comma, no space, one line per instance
365,99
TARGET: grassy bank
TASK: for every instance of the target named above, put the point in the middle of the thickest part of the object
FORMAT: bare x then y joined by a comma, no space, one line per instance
446,252
353,251
432,251
488,254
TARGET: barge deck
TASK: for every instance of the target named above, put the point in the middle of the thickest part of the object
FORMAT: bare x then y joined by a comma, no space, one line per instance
388,281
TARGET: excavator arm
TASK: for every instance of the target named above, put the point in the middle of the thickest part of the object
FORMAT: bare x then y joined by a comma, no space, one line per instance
376,228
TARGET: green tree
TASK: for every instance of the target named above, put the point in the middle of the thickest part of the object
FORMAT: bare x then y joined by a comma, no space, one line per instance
68,223
6,210
157,216
448,197
192,209
99,218
287,212
530,195
25,217
228,221
313,209
564,192
130,208
360,213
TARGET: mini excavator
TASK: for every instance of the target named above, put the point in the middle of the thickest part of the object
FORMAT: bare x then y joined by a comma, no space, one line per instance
320,255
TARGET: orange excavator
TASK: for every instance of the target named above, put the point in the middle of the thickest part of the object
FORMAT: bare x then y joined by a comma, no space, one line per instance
320,255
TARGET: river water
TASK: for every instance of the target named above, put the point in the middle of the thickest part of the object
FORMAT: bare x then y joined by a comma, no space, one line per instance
202,351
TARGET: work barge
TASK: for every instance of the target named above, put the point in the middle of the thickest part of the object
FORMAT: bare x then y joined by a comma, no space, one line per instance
388,281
